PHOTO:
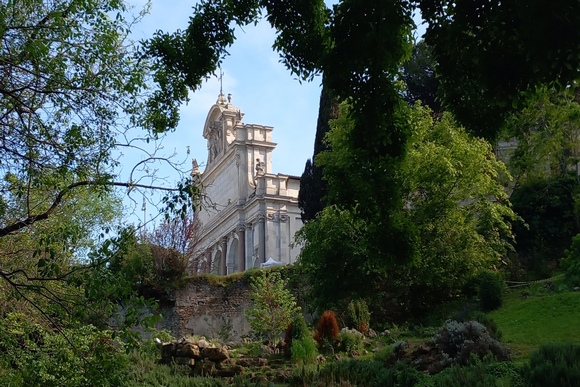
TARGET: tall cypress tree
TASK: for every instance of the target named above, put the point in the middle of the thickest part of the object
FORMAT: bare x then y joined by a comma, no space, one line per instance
312,186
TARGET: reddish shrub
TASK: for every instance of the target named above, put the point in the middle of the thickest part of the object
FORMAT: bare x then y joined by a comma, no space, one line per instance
363,328
327,329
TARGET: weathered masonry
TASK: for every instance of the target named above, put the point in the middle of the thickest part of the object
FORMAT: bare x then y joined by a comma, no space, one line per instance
250,214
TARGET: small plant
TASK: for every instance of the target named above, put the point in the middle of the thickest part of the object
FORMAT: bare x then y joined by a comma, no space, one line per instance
273,305
487,322
490,291
462,340
304,350
327,330
359,315
350,340
554,365
297,330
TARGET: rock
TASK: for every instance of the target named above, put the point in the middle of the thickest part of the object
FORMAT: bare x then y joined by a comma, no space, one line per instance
252,362
231,371
188,349
205,368
320,359
371,333
217,355
168,350
267,350
336,356
203,343
184,361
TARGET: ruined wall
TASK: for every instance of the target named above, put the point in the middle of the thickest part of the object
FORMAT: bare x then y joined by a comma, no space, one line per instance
208,309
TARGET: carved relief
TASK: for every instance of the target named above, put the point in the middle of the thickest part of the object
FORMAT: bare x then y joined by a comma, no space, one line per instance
277,217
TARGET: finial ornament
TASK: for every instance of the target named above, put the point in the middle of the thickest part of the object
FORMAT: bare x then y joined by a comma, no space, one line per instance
221,78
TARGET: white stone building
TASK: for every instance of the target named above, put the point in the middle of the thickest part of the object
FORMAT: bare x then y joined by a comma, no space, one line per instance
249,214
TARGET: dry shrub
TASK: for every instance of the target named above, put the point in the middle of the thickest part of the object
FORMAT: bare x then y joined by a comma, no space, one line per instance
327,330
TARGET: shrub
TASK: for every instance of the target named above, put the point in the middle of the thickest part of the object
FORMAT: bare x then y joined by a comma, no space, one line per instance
571,262
490,291
273,305
327,330
304,350
72,357
298,331
456,376
368,373
359,315
350,340
384,354
554,365
487,322
461,340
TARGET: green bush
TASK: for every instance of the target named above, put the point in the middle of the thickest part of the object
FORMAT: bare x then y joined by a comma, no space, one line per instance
304,350
368,373
297,330
462,340
571,262
359,315
350,340
457,376
490,291
487,322
554,365
34,356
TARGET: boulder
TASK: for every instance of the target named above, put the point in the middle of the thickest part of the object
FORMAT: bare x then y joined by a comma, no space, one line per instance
217,355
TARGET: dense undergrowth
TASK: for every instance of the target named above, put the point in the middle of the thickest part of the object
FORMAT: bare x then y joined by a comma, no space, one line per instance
531,340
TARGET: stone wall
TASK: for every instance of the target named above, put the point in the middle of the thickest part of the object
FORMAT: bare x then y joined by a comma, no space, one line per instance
209,309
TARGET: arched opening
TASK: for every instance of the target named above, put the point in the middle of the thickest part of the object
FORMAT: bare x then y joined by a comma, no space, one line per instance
232,256
217,263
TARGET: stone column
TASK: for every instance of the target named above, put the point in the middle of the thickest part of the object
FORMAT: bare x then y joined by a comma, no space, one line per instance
241,247
224,262
261,238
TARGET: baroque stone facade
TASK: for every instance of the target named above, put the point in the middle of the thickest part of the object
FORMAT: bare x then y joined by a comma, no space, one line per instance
249,214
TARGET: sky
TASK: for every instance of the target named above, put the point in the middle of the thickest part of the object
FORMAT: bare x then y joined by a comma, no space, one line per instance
260,85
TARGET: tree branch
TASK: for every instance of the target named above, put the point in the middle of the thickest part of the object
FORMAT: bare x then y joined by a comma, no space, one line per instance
44,215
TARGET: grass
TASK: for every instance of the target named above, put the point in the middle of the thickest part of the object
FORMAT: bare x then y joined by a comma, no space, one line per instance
526,324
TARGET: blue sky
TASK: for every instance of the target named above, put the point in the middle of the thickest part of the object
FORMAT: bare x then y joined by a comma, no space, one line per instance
260,85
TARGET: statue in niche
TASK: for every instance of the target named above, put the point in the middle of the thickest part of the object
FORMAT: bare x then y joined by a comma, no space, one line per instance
215,143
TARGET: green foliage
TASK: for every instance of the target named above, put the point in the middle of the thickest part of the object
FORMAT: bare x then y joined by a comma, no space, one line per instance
312,185
297,330
34,356
359,315
554,365
491,287
366,373
546,129
571,262
488,322
273,305
548,208
145,371
327,330
350,340
458,376
487,79
462,340
304,350
421,83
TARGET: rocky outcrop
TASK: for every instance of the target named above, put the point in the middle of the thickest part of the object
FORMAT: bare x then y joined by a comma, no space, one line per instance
203,357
